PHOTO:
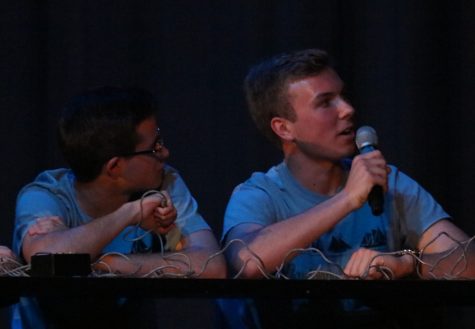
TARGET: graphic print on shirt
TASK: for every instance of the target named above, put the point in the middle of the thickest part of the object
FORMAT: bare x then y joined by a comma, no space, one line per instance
338,245
375,238
371,240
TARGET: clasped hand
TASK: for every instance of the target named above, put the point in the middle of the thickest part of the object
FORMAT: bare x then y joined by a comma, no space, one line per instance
369,264
6,252
158,213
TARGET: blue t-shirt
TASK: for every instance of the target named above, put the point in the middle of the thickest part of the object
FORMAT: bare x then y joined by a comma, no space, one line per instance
52,193
267,198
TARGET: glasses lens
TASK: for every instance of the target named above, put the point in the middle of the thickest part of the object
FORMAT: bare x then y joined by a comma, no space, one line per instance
159,141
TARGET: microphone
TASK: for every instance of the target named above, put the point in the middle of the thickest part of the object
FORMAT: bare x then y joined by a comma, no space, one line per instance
366,141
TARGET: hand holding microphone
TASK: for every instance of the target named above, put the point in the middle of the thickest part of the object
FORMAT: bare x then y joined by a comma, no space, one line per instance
367,141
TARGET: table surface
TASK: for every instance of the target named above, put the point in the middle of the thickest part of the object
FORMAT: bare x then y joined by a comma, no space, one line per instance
443,291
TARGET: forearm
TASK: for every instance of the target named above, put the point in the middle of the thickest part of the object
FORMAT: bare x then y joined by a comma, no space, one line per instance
457,263
89,238
446,252
273,243
199,259
195,263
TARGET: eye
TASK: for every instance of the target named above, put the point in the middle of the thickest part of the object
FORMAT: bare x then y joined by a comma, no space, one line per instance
326,100
326,103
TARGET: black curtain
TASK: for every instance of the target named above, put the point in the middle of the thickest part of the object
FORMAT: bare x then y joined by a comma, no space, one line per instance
408,66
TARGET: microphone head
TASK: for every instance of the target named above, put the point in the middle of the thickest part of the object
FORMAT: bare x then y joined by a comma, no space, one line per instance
366,136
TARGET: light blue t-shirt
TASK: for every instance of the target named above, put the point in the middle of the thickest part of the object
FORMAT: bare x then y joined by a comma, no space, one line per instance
267,198
52,193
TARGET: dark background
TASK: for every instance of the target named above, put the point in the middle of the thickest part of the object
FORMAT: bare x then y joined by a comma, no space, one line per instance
408,65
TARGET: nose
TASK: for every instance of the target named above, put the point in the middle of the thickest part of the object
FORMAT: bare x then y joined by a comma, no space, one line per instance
162,153
345,109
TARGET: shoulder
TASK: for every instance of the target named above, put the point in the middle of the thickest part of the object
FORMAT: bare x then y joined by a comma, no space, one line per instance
262,188
271,181
170,171
52,190
399,180
56,181
172,180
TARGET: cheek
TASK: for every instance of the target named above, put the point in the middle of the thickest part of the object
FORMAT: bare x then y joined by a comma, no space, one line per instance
315,128
138,170
325,125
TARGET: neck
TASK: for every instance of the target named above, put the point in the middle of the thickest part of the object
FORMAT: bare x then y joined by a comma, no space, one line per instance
324,177
98,198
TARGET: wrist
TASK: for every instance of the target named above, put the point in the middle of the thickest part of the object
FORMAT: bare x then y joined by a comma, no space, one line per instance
130,211
348,202
409,262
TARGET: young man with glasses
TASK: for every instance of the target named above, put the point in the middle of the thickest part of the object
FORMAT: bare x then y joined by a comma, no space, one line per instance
111,141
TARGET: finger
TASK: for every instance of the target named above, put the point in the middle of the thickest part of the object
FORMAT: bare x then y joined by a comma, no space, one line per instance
165,230
32,231
165,212
159,211
50,221
168,201
359,263
6,252
166,221
47,224
349,268
169,217
49,218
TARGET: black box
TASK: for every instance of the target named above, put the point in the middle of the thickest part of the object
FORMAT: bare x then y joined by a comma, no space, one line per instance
60,265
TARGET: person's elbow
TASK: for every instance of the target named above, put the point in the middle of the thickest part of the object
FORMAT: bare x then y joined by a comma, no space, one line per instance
246,266
28,249
215,268
210,262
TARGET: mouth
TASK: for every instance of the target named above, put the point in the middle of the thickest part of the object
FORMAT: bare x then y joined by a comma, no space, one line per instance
349,131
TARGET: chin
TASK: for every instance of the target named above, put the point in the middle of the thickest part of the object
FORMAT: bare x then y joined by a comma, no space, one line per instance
156,185
350,152
152,184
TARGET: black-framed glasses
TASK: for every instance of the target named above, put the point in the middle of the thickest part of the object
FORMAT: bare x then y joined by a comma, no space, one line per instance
157,146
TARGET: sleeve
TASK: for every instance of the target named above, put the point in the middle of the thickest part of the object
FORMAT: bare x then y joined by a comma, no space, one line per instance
248,204
31,204
416,208
188,218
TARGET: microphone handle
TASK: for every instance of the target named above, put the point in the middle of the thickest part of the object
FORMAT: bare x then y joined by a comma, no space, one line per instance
376,200
376,195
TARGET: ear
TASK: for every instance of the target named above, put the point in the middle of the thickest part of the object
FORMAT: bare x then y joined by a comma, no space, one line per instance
283,128
113,167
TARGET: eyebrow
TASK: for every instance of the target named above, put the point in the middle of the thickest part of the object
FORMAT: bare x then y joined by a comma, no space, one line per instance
152,144
329,94
320,97
325,95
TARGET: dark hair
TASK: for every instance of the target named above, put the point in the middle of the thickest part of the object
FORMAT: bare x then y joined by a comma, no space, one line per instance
266,85
100,124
